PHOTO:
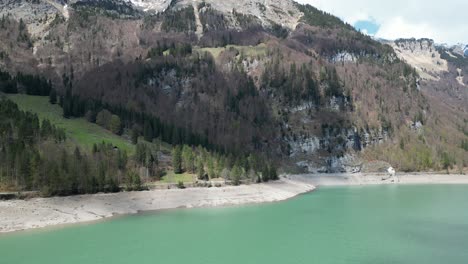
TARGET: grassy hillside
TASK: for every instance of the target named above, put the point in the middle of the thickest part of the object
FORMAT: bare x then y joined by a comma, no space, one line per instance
78,130
171,177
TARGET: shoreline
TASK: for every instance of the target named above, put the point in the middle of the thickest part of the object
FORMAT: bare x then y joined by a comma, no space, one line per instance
21,215
362,179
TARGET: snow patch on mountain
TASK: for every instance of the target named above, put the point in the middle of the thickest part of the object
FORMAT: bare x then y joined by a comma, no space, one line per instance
460,77
152,5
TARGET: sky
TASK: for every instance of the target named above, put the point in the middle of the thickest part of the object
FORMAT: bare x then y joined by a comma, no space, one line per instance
445,22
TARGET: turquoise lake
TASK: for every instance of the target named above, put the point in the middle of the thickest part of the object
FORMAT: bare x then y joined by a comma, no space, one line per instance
376,224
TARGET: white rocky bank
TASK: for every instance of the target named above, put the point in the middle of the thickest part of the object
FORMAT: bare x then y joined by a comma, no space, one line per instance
41,212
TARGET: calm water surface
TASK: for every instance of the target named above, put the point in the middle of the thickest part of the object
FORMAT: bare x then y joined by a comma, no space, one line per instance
381,224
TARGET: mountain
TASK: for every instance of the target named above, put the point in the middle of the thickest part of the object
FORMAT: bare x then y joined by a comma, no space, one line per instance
272,77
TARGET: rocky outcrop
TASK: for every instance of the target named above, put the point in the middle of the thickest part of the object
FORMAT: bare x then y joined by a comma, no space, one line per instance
343,148
422,55
269,12
280,12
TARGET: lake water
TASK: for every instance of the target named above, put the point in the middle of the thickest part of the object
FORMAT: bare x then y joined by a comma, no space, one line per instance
379,224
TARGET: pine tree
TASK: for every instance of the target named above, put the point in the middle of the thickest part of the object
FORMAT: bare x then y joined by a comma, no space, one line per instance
236,174
211,171
140,153
53,97
188,159
135,135
200,170
273,174
148,131
115,125
265,174
177,159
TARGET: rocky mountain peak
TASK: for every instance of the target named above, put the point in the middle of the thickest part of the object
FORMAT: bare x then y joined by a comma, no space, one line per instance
284,13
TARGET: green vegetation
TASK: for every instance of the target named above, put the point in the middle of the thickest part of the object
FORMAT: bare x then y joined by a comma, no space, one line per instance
78,130
213,20
315,17
177,159
464,144
109,8
459,60
191,163
447,161
33,157
181,20
171,177
26,83
132,181
298,84
180,185
413,153
246,21
279,31
109,121
23,35
179,49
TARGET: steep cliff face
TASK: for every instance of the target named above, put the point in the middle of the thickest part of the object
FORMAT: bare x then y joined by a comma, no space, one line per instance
264,76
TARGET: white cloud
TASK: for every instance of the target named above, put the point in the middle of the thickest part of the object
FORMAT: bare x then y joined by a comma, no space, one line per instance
398,27
445,22
364,31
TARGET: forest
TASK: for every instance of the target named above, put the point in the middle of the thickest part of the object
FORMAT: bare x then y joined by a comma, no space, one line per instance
36,156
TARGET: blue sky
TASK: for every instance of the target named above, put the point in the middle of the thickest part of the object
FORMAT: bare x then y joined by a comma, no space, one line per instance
370,26
445,22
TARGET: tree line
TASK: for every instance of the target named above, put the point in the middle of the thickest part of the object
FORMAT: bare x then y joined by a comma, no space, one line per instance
24,83
294,86
34,156
208,165
116,118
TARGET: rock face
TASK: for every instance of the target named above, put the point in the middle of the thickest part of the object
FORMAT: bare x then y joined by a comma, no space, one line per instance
423,55
349,141
434,62
36,16
280,12
268,12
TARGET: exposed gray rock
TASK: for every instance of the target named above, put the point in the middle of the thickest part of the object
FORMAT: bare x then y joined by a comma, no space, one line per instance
305,146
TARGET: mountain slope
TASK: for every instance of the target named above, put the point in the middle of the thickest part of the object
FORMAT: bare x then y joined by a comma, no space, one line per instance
272,77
